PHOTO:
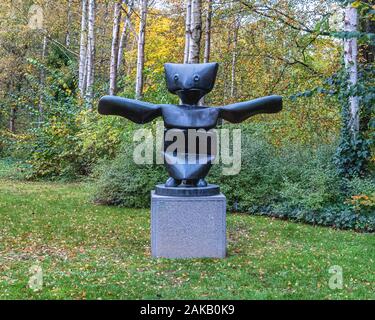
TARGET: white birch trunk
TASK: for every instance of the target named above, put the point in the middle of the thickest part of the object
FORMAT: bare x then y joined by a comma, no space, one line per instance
133,44
187,30
196,31
114,48
350,58
41,83
90,52
207,40
141,49
68,24
124,36
83,50
121,48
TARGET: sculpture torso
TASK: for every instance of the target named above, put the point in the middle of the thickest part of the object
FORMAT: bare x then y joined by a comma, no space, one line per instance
189,117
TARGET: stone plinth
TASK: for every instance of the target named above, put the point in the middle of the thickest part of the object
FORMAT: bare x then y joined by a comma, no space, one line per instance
188,227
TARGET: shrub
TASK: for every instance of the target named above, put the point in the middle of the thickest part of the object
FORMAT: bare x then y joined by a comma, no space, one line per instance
258,182
309,180
69,147
299,183
124,183
362,195
13,169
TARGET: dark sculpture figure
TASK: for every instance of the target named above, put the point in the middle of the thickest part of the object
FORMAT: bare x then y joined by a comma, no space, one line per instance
190,82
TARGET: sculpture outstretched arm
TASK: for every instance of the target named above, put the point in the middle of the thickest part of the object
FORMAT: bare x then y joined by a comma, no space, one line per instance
134,110
239,112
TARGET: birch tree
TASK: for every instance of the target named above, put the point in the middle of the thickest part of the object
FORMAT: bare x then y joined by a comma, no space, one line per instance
68,23
41,82
187,30
90,52
196,31
350,58
141,49
124,36
207,40
83,50
114,48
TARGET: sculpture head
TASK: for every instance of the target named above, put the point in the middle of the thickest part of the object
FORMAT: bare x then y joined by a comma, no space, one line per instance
190,82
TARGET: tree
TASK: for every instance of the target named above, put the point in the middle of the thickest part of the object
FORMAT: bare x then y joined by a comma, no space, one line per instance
207,40
196,31
236,27
141,49
115,48
68,23
12,119
350,58
42,81
87,51
90,52
187,30
83,50
366,55
124,34
356,92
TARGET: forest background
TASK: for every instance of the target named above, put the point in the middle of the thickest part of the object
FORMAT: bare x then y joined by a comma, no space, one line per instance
313,162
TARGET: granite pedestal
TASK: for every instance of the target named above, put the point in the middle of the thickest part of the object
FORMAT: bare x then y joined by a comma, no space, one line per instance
188,227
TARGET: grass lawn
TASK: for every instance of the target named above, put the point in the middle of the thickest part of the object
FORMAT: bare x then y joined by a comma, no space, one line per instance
96,252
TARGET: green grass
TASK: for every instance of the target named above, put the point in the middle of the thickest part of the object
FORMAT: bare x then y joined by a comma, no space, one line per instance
91,252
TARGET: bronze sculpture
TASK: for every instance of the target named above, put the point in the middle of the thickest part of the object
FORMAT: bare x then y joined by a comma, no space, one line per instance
190,82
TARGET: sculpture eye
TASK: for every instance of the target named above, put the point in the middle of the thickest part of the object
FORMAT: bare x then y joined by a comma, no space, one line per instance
196,77
176,77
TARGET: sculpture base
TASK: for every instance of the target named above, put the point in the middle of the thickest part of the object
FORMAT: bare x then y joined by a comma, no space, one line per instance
186,191
188,227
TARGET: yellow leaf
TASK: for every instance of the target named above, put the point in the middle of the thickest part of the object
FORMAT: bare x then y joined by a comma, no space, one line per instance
356,4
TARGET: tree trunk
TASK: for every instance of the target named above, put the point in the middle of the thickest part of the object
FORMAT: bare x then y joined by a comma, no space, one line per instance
41,83
367,25
12,121
124,38
141,49
207,41
234,56
83,51
226,68
187,30
68,24
366,53
350,58
115,48
196,31
90,53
